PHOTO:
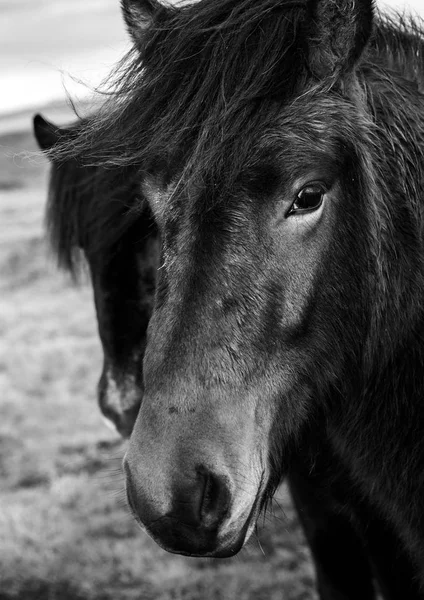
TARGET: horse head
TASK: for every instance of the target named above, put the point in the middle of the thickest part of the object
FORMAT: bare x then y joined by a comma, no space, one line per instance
257,314
122,267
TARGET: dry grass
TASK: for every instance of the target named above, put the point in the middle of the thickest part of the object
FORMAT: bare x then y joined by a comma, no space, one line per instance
65,533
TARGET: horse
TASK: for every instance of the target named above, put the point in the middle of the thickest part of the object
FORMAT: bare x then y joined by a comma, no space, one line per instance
87,189
277,146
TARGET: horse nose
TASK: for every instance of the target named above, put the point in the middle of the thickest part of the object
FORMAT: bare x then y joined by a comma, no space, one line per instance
186,516
199,501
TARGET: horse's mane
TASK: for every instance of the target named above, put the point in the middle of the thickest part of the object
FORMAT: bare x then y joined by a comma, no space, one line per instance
89,207
205,71
201,74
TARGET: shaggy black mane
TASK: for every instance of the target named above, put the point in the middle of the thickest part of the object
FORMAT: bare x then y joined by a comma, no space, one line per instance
201,74
89,207
208,70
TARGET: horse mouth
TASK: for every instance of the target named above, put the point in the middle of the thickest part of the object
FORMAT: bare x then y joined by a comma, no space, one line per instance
178,537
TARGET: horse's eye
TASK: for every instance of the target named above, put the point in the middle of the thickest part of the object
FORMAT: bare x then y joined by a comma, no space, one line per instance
308,199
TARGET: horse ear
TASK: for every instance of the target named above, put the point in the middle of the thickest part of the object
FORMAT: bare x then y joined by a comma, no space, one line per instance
45,132
339,32
138,15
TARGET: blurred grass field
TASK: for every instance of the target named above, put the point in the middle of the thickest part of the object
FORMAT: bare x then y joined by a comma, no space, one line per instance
65,531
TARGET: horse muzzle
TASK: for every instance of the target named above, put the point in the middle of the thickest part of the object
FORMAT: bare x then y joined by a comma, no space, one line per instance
195,508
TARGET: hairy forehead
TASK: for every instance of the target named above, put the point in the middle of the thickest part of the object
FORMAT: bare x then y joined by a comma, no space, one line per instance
313,121
309,133
313,133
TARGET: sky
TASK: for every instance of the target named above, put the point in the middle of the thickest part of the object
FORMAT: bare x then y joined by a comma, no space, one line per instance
47,45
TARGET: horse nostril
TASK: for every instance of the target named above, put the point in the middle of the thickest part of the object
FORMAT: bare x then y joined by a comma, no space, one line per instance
215,500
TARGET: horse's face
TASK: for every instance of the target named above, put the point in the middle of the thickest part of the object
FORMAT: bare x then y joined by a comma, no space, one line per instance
123,272
260,310
123,282
240,344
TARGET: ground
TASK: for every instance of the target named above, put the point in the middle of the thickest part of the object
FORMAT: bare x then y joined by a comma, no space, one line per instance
65,530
